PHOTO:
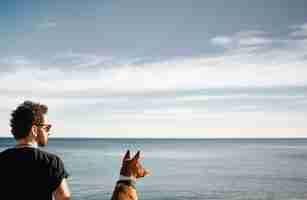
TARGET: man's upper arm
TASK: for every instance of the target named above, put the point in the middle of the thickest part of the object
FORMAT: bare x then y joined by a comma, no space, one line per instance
62,192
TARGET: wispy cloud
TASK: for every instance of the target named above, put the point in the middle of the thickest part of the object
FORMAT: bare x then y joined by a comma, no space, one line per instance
15,61
254,41
12,63
63,62
47,24
221,40
299,30
233,68
250,58
265,50
81,61
242,39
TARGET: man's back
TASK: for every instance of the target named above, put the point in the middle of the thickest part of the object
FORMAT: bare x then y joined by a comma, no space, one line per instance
30,173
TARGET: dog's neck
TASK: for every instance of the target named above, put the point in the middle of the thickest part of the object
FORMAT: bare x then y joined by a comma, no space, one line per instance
126,178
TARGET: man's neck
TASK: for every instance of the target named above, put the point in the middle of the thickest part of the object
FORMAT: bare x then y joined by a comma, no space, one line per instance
25,143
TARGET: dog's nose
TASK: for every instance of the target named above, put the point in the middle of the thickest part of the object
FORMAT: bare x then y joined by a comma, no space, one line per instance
147,172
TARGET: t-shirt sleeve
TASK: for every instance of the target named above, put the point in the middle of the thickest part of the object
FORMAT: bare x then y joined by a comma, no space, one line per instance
57,173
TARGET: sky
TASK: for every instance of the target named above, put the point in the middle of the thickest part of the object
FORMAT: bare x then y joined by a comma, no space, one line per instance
157,69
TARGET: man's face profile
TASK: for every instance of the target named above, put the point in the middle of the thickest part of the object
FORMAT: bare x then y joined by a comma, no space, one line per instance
42,132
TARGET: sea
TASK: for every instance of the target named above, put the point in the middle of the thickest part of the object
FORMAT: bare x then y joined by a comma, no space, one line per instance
187,169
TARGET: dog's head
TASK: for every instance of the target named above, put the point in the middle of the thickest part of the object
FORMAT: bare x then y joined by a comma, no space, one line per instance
132,166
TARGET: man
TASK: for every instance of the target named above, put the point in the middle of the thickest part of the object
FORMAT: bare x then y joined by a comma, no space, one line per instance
27,172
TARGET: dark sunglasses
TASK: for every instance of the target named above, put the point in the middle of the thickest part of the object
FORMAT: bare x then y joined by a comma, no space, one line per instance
47,127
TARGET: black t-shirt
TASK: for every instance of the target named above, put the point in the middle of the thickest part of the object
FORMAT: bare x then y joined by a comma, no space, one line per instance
29,173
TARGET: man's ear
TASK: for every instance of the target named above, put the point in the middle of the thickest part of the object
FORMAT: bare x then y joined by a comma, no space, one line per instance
34,131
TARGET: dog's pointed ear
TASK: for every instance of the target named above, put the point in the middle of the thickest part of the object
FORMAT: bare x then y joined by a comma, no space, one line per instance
137,156
127,155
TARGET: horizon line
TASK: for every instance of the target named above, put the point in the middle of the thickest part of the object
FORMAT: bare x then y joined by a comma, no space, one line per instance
170,138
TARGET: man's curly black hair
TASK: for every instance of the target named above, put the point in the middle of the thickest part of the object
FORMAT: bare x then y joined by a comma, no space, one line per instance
26,114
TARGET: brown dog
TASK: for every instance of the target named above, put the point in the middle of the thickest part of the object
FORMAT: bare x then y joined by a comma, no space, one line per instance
131,170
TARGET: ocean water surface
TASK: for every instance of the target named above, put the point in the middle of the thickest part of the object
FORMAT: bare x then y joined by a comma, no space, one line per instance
184,169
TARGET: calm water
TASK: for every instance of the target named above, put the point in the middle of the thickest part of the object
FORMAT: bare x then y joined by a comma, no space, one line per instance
232,169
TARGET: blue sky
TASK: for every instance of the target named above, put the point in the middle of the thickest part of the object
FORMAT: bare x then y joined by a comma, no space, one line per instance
157,68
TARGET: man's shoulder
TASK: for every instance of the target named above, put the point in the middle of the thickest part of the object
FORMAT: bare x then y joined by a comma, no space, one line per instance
35,153
6,152
45,153
54,162
3,152
48,156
